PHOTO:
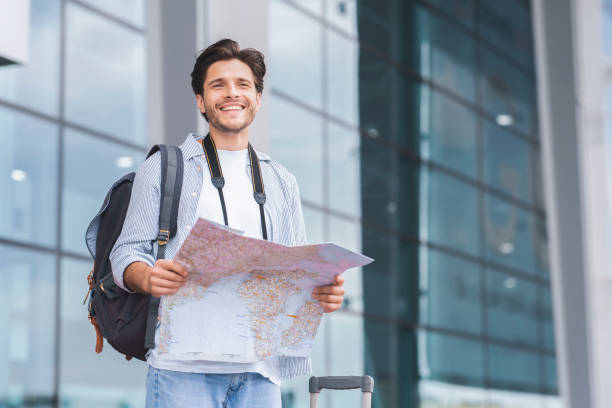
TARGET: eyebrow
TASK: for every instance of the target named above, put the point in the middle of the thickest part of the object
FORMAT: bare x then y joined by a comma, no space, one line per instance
214,81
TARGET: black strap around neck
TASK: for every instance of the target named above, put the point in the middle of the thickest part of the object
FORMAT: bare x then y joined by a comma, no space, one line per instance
210,150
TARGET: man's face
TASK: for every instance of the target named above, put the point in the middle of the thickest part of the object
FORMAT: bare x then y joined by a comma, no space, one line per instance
230,99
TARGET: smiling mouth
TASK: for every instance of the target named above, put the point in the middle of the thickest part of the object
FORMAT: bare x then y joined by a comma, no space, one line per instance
231,108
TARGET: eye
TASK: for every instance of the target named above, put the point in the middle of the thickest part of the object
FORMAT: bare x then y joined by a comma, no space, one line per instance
245,85
217,85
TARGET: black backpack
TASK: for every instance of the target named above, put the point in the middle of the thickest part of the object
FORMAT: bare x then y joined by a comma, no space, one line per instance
128,320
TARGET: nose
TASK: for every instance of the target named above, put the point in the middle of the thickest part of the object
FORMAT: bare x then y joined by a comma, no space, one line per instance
232,91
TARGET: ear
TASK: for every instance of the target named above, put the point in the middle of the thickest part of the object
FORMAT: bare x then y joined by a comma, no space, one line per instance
200,101
257,101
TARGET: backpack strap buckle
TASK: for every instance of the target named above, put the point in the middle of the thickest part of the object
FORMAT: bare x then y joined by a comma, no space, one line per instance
163,237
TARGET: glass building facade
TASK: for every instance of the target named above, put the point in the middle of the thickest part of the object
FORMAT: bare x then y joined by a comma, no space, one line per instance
72,120
411,127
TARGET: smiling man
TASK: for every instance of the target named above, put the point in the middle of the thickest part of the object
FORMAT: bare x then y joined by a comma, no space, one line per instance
228,84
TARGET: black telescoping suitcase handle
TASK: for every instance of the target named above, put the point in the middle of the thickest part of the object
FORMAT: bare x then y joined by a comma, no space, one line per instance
365,382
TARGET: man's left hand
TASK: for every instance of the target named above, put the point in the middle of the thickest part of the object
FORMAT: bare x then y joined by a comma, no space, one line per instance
330,297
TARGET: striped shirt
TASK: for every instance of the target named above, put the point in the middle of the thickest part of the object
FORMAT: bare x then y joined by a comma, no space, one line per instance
137,241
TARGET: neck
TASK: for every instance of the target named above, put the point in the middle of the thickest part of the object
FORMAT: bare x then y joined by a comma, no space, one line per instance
230,141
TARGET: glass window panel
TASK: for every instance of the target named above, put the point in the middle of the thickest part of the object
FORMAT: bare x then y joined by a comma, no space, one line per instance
132,11
513,312
295,70
390,284
314,221
448,132
515,399
449,213
87,378
445,54
299,148
460,10
346,356
342,78
513,369
450,292
547,319
450,359
442,394
90,167
348,234
36,84
115,57
507,93
313,6
509,234
550,377
344,169
27,318
342,14
507,25
507,162
28,209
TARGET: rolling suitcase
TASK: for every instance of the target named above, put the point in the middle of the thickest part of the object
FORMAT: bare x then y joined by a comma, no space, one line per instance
365,382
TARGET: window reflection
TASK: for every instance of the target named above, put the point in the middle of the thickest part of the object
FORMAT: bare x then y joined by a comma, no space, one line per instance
346,353
507,93
438,394
342,78
461,10
36,84
113,103
132,11
90,167
342,14
513,369
314,221
27,318
448,132
513,310
296,141
80,366
450,292
507,162
344,169
446,54
507,24
509,234
450,359
28,178
451,213
294,39
547,320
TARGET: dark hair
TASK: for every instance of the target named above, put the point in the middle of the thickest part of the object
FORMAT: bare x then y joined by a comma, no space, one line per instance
224,50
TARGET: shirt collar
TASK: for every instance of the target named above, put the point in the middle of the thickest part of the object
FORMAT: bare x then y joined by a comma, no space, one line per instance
191,147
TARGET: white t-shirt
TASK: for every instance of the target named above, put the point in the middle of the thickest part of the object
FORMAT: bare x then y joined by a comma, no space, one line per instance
242,214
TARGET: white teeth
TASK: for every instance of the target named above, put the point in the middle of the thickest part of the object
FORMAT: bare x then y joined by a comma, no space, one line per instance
232,108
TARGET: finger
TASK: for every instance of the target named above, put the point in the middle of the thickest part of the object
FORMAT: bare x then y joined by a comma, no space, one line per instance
157,292
163,283
330,298
339,280
329,290
167,275
172,266
330,307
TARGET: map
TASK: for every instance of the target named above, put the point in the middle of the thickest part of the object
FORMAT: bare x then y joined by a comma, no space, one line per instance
246,299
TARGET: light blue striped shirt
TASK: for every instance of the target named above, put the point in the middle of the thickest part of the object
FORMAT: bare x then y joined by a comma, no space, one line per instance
137,241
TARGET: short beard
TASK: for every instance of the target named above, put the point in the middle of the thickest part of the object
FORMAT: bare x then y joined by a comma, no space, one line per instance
214,121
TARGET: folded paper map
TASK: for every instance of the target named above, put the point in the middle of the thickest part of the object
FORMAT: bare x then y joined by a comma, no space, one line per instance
246,299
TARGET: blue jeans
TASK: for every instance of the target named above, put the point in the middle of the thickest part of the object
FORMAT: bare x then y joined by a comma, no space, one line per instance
167,389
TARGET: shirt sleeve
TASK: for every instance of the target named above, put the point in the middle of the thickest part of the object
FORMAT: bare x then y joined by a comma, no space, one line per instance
140,227
299,229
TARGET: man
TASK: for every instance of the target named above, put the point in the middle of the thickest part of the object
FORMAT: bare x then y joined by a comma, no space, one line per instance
228,84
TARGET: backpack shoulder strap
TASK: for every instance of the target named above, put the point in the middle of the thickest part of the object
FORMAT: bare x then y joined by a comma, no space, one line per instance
170,194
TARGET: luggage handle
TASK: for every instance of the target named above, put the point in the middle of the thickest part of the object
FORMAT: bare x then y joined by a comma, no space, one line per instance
365,382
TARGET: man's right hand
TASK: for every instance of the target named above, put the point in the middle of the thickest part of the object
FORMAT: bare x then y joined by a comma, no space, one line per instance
164,278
